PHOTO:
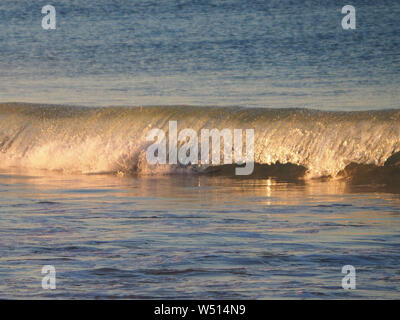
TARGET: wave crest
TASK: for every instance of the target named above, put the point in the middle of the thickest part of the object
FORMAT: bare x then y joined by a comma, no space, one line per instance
113,139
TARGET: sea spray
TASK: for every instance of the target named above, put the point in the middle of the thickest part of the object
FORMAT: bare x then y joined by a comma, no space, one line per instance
113,139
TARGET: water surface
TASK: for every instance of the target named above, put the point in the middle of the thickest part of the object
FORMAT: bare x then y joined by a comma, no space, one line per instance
196,237
275,53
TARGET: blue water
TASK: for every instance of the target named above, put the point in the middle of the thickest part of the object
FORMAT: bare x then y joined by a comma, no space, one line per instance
251,53
186,235
196,237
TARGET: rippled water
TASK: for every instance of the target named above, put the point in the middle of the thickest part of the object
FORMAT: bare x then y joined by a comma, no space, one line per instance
199,236
196,237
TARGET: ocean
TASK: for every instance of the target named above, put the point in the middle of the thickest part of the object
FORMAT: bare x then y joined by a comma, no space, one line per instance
78,193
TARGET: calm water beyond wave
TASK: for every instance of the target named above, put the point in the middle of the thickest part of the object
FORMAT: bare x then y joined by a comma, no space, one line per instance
258,53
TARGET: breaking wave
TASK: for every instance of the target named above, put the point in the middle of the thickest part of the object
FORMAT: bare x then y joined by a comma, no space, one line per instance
304,142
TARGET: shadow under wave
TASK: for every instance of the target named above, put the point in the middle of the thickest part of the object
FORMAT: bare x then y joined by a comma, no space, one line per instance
386,177
287,172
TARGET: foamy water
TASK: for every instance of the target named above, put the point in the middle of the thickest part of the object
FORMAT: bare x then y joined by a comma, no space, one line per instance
95,140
